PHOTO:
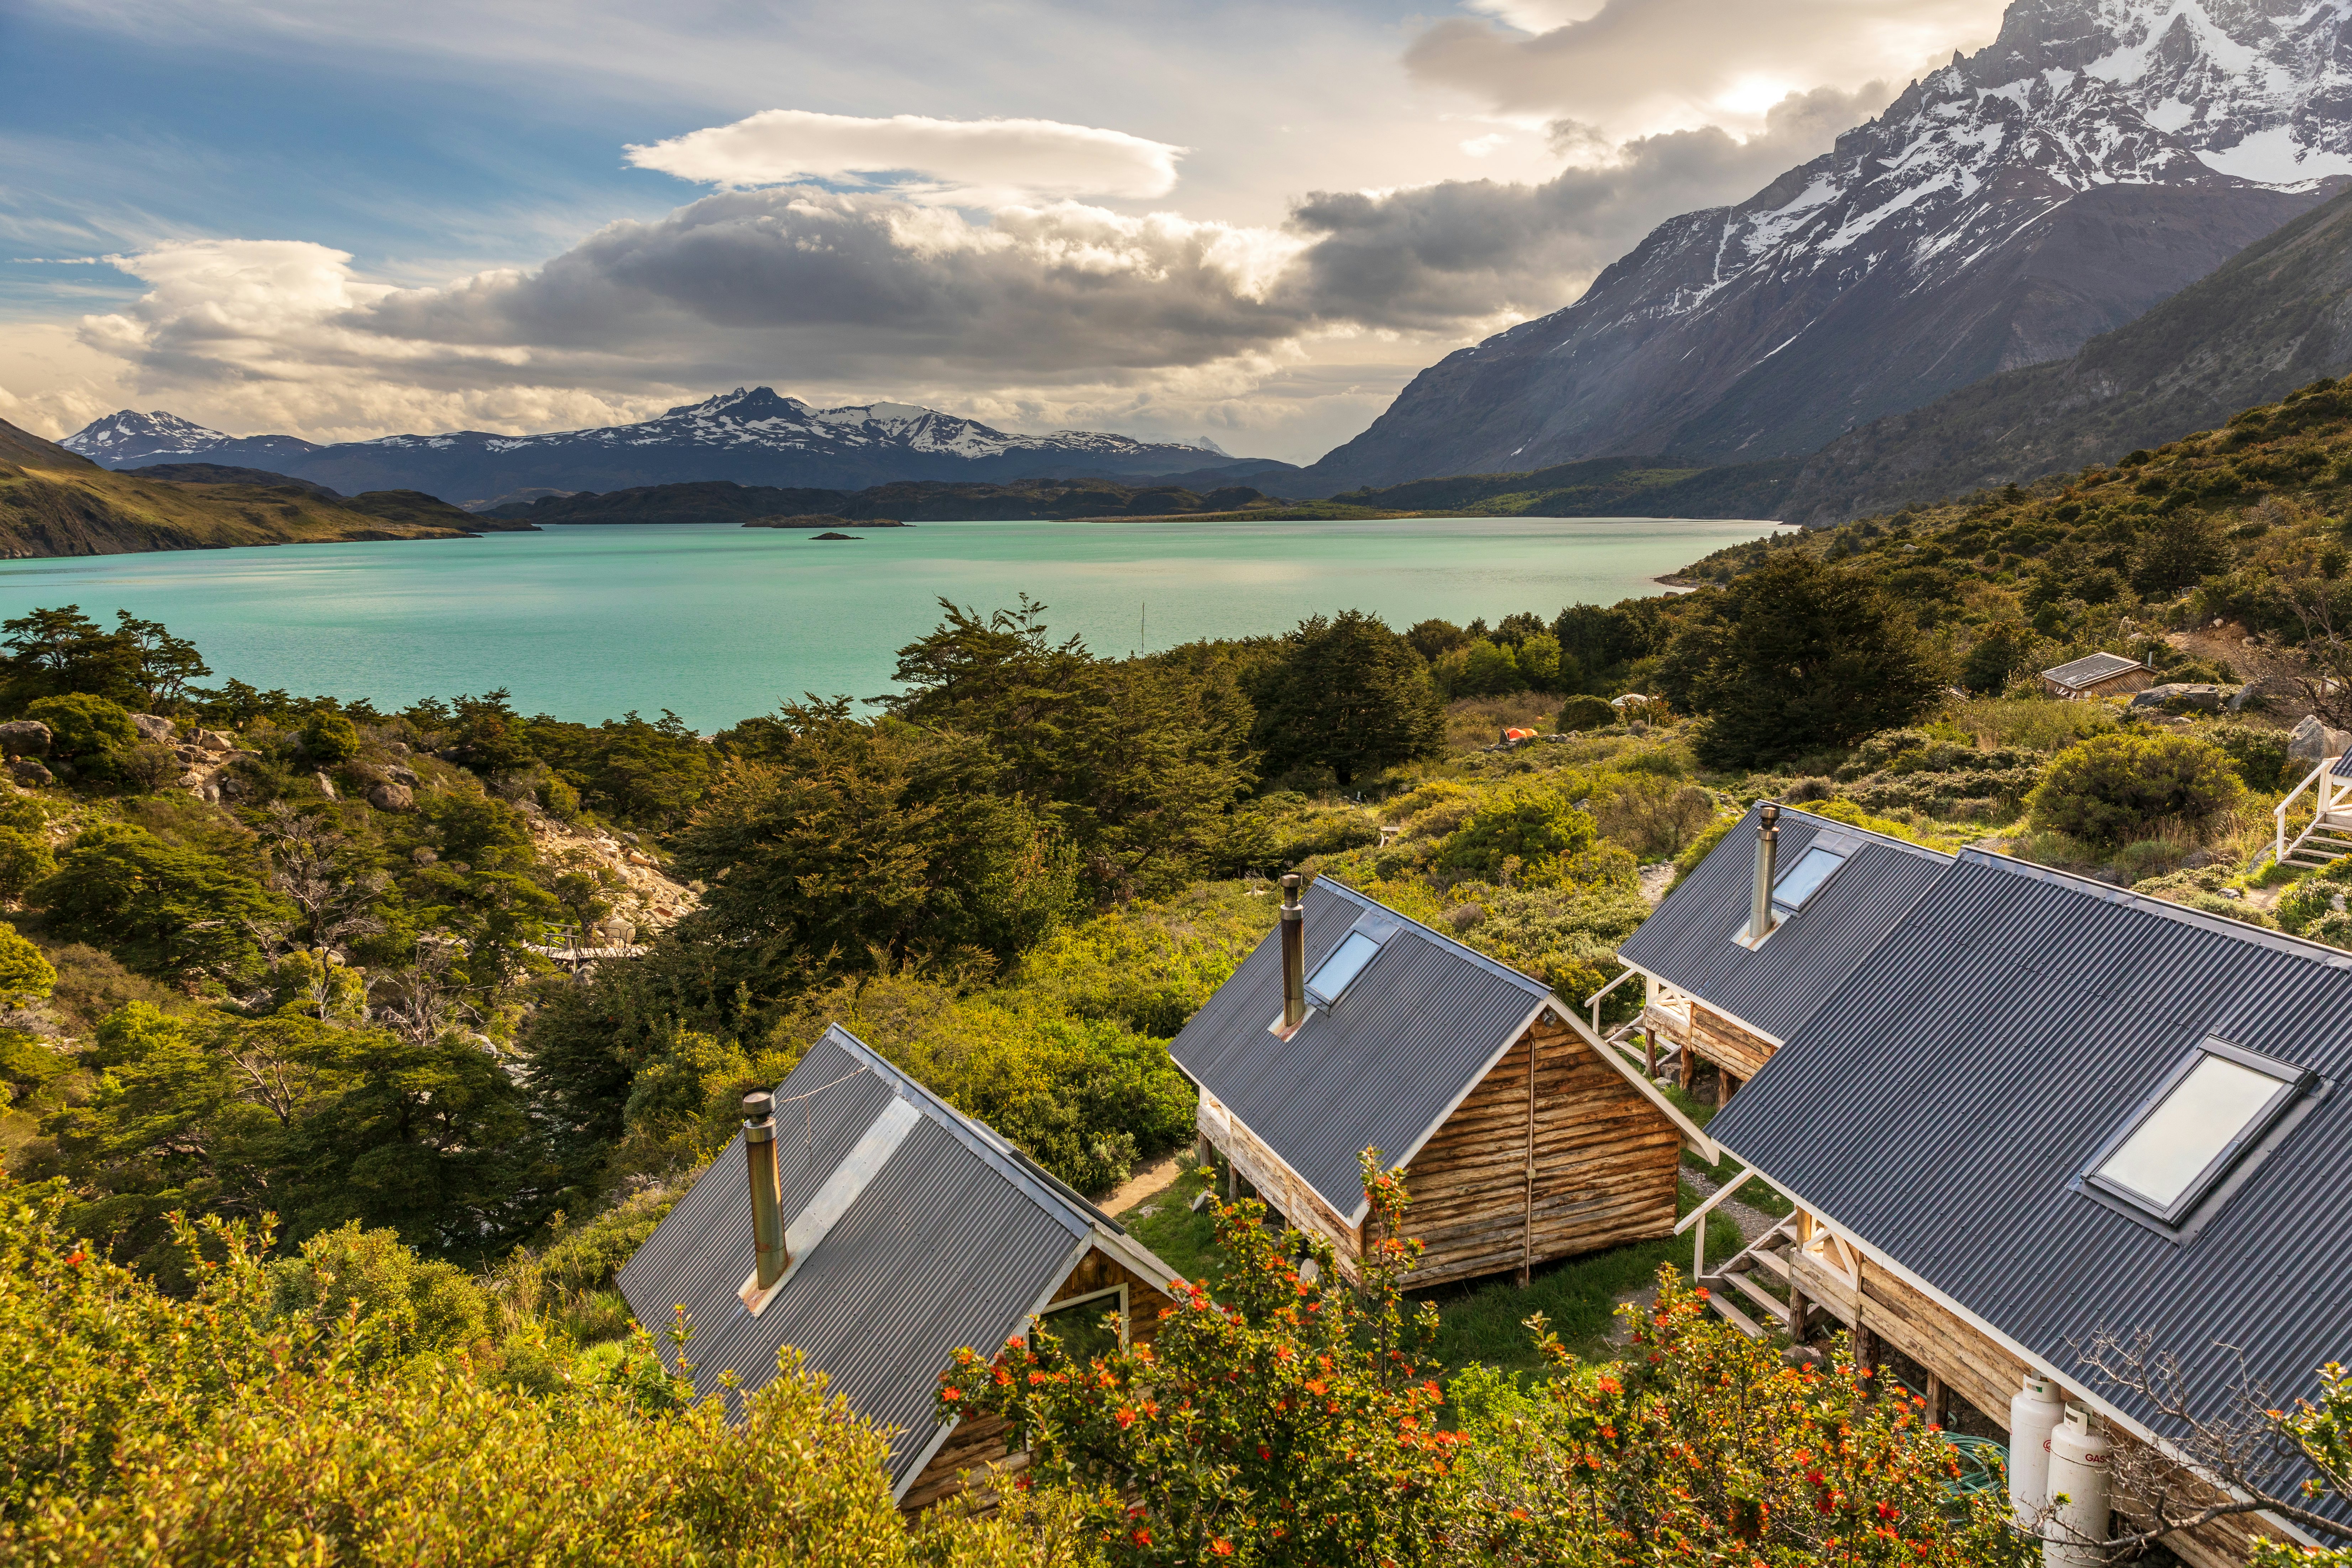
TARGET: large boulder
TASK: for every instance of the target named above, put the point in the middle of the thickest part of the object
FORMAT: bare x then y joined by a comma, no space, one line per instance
153,727
2312,742
25,738
2180,694
392,797
30,774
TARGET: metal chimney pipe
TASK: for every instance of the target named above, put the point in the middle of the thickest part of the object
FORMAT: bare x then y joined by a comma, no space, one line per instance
1294,955
1768,850
767,1206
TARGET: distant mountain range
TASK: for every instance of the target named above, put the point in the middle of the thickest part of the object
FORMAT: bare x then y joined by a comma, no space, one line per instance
750,436
2098,156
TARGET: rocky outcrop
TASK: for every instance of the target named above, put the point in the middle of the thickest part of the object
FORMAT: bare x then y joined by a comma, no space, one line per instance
153,727
392,797
25,738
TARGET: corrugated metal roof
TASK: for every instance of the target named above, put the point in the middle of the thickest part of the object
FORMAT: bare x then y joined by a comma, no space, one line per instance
950,1244
2342,767
1421,1025
2091,668
1942,1100
1690,942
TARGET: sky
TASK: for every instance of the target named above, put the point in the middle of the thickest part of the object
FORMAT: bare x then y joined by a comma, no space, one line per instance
1254,221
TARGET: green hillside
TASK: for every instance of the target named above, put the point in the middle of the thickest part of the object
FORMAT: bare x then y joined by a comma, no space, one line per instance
56,502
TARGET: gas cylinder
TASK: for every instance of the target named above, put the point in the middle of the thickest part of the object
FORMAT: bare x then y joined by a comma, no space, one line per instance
2035,1411
2079,1453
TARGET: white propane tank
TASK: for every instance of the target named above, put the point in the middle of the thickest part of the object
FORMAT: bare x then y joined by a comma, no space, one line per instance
2034,1413
2078,1468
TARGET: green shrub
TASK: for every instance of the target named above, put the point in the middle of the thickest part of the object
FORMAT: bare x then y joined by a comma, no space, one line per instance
1535,829
2258,755
1586,712
26,974
2113,789
83,728
329,737
430,1305
1489,670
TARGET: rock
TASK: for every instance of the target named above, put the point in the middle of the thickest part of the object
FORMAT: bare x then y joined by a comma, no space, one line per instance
2178,695
401,776
424,856
1800,1355
2312,742
392,797
214,740
2197,860
153,727
27,772
25,738
327,788
2247,696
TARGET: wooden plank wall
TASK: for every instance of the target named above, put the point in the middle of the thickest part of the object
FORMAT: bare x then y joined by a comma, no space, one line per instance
980,1441
1985,1372
1282,1188
1737,1050
1606,1164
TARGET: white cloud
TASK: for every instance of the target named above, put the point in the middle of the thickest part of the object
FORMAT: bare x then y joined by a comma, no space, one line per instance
1637,68
974,162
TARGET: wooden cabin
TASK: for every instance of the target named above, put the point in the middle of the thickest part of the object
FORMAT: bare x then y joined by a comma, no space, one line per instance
910,1231
1718,994
2097,674
1522,1137
2040,1108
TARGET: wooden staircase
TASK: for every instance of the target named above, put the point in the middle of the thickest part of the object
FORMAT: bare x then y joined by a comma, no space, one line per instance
1756,1304
2328,834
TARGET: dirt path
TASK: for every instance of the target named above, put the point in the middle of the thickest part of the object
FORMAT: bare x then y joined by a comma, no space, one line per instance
1157,1177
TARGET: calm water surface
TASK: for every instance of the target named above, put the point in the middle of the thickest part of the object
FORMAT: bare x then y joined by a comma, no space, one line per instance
718,622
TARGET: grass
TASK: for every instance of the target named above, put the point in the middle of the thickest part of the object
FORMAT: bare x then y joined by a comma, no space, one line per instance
1478,1321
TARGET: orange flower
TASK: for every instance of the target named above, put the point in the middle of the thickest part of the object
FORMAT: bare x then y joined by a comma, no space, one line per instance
1221,1547
1125,1418
951,1394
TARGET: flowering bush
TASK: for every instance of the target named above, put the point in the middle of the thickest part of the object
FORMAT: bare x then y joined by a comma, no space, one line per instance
1290,1420
1702,1448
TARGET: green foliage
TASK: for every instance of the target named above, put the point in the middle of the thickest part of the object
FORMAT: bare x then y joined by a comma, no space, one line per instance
1532,828
63,651
330,739
84,729
1283,1422
1702,1446
427,1304
1799,657
26,974
2260,755
1565,936
1998,657
167,909
1585,713
222,1429
1347,694
24,859
2112,789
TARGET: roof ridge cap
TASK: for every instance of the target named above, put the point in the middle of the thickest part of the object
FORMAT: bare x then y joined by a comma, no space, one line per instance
2164,908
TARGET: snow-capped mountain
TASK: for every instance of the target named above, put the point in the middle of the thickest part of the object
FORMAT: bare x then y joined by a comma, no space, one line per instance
2097,157
752,436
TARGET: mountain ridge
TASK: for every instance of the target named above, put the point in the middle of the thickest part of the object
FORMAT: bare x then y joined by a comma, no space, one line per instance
749,435
2098,157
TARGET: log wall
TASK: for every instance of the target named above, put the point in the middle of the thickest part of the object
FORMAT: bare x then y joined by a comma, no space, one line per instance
1301,1206
1605,1165
979,1441
1740,1051
1985,1372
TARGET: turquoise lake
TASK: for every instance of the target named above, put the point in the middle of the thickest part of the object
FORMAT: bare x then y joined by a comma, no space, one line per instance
717,623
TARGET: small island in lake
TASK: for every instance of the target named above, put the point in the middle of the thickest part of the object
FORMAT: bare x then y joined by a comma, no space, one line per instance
851,536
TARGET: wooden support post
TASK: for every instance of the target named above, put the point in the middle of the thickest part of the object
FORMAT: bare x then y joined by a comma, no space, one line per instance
1722,1087
1528,1238
1865,1348
1689,1063
1938,1400
1232,1181
1203,1151
1800,1316
1649,1053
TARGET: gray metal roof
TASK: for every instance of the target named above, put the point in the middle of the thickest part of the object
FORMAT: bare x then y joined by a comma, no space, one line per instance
1940,1101
1690,942
951,1243
2091,668
1380,1068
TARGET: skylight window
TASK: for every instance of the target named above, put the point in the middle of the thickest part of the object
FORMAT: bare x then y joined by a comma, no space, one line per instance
2186,1136
1804,880
1339,971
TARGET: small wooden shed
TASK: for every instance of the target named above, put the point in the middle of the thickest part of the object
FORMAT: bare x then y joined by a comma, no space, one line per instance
1524,1137
910,1231
2097,674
